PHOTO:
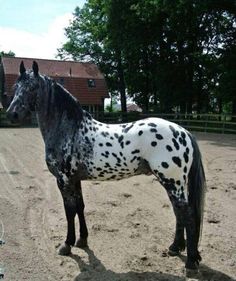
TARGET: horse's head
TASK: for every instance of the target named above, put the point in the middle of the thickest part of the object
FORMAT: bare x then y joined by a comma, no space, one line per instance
25,93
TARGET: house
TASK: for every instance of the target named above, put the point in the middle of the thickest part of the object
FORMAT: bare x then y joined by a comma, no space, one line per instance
83,80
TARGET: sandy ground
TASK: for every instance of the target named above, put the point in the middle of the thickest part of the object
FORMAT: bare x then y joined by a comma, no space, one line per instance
131,222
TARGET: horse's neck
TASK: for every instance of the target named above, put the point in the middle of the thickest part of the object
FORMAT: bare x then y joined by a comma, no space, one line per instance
47,114
54,117
47,124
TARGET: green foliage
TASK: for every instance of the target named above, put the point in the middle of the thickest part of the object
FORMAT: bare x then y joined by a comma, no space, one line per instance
89,40
7,54
110,108
165,54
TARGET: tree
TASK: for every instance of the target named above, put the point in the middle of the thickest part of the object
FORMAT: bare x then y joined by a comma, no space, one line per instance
89,40
164,54
7,54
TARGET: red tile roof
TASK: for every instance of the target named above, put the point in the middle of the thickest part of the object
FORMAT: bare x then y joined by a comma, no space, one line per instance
75,77
54,67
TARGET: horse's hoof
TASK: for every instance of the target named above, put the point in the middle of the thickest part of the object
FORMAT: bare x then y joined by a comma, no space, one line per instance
192,268
173,253
64,250
175,249
192,273
81,243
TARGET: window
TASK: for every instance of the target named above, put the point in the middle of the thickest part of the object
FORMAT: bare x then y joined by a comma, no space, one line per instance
91,83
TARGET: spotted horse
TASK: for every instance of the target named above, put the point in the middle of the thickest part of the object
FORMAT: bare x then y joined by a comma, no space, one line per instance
77,147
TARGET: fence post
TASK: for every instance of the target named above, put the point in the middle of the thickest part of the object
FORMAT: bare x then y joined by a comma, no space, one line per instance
205,126
223,124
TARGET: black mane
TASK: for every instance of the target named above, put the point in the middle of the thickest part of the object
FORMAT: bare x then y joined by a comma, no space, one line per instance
65,102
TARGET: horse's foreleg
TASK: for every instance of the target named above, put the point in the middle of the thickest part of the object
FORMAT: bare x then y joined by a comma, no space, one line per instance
82,241
70,209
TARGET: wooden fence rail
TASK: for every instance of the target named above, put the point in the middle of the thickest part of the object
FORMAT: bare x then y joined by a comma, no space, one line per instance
219,123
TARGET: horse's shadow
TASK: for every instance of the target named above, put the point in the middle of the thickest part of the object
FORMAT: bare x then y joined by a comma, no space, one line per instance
96,271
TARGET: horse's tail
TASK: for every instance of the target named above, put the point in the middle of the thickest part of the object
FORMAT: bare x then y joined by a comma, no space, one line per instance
197,188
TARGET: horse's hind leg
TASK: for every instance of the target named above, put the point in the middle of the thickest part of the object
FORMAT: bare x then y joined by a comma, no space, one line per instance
184,220
185,211
179,242
193,256
82,241
177,201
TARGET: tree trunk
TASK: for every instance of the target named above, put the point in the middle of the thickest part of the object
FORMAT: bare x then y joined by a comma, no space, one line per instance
146,103
155,105
234,110
220,104
122,87
147,83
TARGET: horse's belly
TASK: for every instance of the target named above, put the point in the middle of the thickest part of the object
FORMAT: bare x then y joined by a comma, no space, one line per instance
114,168
113,172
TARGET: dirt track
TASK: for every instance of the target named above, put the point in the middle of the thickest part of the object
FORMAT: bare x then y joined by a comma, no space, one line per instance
130,222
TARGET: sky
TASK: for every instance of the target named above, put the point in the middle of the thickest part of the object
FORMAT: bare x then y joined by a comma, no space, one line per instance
35,28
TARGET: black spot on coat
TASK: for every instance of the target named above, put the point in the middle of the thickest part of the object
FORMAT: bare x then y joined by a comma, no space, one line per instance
140,133
135,151
152,125
132,160
177,161
154,143
120,139
128,128
165,165
175,144
185,157
169,148
174,131
159,137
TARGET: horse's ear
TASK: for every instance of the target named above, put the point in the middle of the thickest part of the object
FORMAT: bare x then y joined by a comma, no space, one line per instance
22,67
35,68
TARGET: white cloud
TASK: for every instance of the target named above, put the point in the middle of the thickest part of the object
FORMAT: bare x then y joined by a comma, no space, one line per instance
26,44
